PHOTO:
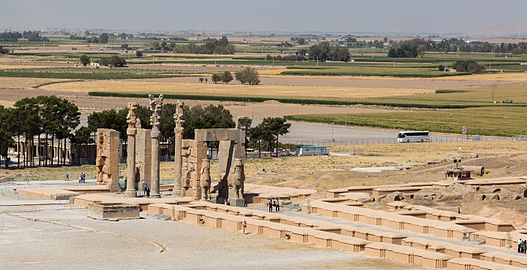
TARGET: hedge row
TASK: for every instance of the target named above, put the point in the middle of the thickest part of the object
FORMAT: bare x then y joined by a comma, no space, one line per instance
288,100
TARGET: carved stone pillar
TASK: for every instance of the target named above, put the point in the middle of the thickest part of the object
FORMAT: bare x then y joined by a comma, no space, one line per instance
130,160
155,107
178,130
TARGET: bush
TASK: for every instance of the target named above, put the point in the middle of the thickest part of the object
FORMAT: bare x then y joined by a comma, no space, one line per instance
216,78
226,77
85,60
248,75
139,54
470,66
114,61
441,68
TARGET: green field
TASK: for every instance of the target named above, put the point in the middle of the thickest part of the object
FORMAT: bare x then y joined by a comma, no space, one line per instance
400,71
474,108
494,121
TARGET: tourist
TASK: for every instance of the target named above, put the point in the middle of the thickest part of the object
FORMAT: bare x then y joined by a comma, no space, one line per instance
520,244
524,246
270,204
244,227
145,189
277,205
67,178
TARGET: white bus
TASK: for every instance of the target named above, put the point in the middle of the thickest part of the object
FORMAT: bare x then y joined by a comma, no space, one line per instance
413,136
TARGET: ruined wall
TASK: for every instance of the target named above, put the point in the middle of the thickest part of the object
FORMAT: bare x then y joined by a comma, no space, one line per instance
107,161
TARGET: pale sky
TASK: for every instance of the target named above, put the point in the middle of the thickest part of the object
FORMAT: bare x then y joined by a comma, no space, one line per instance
443,16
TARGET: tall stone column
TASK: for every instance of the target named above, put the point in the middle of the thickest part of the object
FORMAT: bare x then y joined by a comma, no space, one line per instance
178,160
130,159
155,108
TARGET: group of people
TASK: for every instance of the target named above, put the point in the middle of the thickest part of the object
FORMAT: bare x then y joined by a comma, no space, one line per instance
273,203
522,246
146,189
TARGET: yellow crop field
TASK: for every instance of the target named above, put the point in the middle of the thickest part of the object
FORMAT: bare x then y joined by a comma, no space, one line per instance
328,92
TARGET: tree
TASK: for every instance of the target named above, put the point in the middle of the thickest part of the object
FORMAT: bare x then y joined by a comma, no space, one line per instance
59,118
211,116
210,46
216,78
103,38
28,110
3,50
421,50
470,66
85,60
258,135
226,77
114,61
248,75
6,133
324,51
276,126
125,47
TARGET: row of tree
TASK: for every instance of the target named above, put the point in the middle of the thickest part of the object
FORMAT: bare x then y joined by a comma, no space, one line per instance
263,136
417,47
210,46
54,117
29,35
113,61
50,117
324,51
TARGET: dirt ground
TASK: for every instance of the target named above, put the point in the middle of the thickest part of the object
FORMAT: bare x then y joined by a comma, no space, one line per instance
56,235
424,163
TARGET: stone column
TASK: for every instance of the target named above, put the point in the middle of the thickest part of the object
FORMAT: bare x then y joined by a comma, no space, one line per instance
178,130
130,160
155,108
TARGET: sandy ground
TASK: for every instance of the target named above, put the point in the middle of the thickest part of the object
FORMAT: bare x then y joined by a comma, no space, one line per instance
58,236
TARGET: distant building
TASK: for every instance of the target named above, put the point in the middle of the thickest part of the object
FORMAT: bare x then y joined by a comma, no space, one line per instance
311,150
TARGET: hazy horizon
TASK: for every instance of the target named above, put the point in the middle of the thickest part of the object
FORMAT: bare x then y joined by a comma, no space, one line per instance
404,16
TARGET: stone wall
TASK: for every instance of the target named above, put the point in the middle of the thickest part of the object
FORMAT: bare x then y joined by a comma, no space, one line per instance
107,161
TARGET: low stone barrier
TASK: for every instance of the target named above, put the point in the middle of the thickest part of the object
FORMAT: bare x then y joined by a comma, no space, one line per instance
447,248
408,255
504,258
390,220
473,264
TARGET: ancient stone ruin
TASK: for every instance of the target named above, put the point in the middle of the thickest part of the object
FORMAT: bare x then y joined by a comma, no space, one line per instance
107,161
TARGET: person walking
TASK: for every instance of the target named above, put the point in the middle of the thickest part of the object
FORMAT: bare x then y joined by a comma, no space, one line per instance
277,205
145,189
270,205
67,178
520,243
244,227
524,246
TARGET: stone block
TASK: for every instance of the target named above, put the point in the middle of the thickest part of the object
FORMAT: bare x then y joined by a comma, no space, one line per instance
113,211
237,202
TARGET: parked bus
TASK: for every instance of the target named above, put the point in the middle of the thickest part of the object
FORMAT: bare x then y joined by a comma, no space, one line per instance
311,150
413,136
